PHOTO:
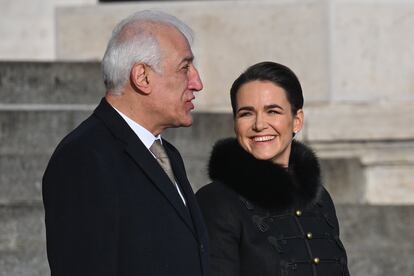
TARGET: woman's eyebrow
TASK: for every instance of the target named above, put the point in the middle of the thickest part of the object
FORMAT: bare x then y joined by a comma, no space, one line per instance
270,106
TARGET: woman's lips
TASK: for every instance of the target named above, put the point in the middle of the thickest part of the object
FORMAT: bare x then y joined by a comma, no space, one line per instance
265,138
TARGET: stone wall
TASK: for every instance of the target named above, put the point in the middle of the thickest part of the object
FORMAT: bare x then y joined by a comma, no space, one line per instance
28,28
348,51
353,58
41,102
343,51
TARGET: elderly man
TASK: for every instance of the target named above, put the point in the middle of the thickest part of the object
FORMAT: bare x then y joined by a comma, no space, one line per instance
116,195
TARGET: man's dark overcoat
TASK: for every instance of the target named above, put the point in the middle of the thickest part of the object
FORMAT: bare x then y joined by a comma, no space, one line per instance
266,220
112,211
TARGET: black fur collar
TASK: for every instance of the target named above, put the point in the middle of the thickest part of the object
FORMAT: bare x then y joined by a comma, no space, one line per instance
264,183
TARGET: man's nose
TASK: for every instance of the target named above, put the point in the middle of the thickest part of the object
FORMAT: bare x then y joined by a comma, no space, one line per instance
195,82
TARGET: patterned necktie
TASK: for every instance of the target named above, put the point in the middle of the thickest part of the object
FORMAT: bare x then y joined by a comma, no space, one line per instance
158,150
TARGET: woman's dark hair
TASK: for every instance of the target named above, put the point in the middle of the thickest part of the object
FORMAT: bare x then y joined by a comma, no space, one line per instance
276,73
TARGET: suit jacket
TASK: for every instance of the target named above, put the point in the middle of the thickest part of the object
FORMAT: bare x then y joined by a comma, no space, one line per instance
111,210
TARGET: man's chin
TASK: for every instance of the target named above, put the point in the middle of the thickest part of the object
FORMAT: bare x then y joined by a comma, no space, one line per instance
187,120
187,123
184,123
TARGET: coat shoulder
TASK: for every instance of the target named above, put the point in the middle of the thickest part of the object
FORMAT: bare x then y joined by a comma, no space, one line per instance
84,136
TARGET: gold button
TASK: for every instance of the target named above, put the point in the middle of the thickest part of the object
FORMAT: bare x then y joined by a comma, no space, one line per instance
309,235
298,213
316,260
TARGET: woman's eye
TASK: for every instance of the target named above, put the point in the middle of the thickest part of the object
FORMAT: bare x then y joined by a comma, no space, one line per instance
274,112
244,114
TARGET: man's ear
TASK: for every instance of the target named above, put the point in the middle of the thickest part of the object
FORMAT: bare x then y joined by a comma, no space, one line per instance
139,78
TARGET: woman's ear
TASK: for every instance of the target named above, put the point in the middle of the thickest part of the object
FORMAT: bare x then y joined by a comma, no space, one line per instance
139,78
298,120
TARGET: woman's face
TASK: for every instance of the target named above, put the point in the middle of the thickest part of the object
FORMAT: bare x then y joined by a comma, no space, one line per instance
264,122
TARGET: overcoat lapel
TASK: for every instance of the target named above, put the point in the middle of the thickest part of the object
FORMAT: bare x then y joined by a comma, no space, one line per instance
192,206
136,150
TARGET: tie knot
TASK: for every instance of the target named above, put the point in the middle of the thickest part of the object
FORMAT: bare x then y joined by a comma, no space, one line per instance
158,150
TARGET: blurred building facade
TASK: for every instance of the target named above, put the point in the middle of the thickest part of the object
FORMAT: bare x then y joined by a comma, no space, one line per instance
354,60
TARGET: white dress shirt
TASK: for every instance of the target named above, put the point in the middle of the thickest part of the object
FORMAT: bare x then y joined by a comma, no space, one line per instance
147,138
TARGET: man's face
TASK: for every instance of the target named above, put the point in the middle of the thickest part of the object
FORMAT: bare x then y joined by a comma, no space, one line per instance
173,88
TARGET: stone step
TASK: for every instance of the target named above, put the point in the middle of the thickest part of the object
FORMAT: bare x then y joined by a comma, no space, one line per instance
47,86
359,122
50,83
36,131
22,241
20,178
346,179
366,232
39,131
378,239
28,138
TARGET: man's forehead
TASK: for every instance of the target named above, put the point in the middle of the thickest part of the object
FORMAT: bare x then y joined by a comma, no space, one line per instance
170,33
175,41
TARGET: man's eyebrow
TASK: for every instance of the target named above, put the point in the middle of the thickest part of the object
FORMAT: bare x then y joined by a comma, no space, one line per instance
187,59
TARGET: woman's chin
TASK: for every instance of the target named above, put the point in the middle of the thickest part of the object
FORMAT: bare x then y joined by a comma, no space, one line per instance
263,156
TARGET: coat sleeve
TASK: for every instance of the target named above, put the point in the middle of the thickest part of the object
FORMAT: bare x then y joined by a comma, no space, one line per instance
80,214
223,226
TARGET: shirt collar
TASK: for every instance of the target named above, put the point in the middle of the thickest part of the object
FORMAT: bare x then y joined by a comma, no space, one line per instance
146,137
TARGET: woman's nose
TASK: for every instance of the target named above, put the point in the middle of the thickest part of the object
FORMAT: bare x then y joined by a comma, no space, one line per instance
259,123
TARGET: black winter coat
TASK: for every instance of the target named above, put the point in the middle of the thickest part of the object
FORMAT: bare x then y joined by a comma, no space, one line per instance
266,220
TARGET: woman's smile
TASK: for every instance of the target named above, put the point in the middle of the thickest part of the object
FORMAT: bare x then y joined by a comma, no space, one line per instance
263,138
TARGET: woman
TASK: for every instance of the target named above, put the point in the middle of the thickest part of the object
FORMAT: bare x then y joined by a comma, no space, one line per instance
266,211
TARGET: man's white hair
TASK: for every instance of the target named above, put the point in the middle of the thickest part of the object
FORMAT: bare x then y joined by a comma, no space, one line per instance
133,42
